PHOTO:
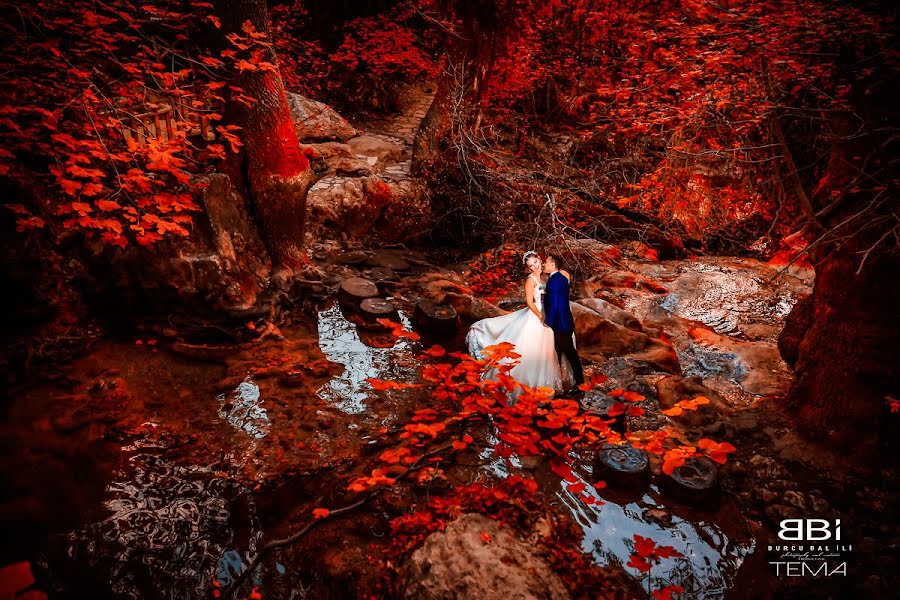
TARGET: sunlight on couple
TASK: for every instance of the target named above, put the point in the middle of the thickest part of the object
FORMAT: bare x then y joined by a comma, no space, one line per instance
543,332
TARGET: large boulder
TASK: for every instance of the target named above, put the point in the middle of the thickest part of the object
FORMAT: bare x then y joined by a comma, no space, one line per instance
348,205
222,264
598,339
477,557
612,313
316,121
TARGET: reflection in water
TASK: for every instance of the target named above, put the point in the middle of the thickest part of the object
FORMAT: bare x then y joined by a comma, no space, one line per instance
169,528
711,559
340,342
243,410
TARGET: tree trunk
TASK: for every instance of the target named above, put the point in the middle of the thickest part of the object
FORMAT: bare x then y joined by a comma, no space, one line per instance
844,341
277,171
464,79
848,359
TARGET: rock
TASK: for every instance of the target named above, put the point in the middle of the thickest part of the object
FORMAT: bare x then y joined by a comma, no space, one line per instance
744,421
317,121
670,390
696,481
341,160
389,260
221,265
375,148
372,309
459,563
795,499
587,255
350,205
356,289
612,313
658,515
436,317
471,308
778,512
599,338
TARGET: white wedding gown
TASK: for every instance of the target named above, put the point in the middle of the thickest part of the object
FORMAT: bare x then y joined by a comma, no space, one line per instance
538,365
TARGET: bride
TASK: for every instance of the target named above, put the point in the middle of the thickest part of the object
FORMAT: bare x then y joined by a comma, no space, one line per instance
539,365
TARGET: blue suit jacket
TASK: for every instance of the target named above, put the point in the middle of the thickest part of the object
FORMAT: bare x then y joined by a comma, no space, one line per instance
557,313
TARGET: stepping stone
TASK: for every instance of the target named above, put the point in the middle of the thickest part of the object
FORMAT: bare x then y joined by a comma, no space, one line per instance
622,465
694,482
356,289
372,309
440,319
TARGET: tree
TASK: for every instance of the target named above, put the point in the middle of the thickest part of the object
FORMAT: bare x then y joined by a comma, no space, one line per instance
277,171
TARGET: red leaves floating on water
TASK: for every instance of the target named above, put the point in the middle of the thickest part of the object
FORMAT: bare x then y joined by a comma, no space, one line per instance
320,513
382,385
398,330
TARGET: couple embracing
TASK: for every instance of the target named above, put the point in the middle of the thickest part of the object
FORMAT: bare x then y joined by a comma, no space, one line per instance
543,332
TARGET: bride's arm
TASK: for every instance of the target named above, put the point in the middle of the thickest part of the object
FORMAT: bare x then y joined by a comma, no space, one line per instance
529,297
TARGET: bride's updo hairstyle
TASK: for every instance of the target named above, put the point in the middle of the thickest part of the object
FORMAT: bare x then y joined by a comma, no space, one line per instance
528,256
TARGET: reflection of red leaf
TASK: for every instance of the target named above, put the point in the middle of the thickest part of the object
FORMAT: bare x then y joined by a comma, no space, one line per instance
639,563
666,592
320,513
643,546
563,470
576,488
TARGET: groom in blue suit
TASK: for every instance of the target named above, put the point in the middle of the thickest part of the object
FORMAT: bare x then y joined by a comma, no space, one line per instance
558,316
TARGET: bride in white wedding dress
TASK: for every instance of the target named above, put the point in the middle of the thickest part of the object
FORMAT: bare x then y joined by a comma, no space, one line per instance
539,365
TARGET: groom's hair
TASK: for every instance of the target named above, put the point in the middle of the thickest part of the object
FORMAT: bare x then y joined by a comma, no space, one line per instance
556,261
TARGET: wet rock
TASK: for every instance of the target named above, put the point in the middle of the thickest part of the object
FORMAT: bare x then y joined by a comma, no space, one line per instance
317,121
435,317
459,563
221,265
356,289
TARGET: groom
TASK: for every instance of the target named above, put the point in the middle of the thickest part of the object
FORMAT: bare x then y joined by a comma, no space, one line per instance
558,317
